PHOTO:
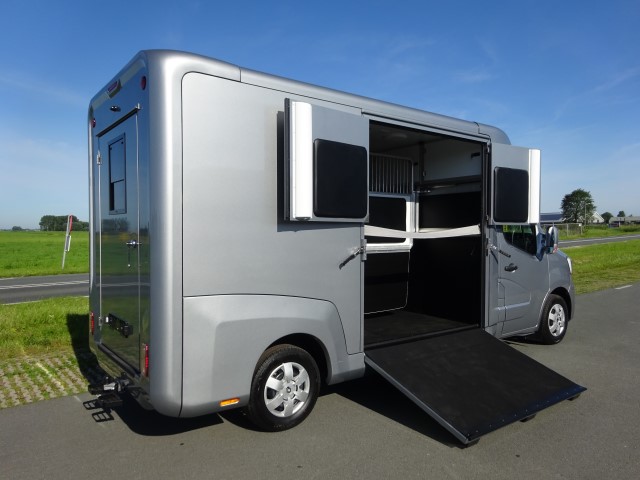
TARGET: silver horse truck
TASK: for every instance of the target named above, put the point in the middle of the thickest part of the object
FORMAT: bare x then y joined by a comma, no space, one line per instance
254,237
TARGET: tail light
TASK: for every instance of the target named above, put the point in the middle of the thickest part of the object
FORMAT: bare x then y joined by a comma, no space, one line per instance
145,368
92,323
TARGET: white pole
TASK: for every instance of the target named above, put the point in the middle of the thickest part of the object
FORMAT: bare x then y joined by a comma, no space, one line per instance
67,239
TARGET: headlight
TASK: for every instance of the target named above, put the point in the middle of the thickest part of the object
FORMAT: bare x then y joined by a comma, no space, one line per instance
570,265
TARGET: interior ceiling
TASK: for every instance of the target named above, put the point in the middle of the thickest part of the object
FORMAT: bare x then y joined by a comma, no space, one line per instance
384,138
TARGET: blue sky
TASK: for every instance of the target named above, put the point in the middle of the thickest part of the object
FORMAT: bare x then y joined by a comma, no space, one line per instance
562,76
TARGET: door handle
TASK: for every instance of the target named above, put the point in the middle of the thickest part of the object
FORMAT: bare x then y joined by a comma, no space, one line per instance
512,267
131,244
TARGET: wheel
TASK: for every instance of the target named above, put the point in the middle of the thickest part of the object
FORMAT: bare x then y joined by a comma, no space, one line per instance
553,323
284,389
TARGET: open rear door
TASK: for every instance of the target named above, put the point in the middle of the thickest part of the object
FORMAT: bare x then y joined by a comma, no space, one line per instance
470,382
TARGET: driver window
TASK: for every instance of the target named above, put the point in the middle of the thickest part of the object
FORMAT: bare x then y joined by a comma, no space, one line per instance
522,237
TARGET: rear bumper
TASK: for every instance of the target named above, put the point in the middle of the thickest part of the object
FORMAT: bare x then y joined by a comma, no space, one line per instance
116,368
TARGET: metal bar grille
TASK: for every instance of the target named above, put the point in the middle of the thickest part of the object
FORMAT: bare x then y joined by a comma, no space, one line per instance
390,174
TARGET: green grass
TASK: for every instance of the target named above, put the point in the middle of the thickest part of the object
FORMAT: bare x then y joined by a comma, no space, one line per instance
25,254
45,327
597,231
606,265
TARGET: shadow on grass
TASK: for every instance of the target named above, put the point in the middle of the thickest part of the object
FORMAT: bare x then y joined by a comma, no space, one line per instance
78,326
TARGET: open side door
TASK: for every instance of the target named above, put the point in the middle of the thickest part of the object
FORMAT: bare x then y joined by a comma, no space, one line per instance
515,185
470,382
327,162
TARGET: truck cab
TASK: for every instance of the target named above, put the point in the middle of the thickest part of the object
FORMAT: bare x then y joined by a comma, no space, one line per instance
536,281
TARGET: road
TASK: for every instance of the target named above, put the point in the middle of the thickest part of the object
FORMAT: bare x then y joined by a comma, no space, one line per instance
593,241
25,289
365,428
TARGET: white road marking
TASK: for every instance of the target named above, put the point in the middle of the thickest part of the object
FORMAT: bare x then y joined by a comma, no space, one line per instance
51,284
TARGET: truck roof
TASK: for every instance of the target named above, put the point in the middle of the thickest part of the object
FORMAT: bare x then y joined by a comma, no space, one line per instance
179,63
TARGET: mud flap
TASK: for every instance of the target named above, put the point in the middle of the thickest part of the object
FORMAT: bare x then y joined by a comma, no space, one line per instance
470,382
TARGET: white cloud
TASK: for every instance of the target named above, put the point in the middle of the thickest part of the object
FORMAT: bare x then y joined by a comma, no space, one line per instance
474,76
45,90
617,79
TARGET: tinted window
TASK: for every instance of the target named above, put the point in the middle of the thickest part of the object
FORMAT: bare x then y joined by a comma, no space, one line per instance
521,236
340,180
511,202
117,177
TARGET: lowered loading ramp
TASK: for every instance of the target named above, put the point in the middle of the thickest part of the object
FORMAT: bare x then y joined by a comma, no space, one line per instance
470,382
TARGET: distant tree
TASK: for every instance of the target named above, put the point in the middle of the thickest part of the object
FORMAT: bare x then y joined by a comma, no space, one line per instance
47,222
80,226
16,229
578,206
58,223
621,214
606,216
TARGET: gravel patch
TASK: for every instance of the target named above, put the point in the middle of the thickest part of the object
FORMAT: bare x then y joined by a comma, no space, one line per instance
31,379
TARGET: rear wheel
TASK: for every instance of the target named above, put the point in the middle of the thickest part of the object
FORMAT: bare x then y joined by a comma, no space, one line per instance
553,324
284,389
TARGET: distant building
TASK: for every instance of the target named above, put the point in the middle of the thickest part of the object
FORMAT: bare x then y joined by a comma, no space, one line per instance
551,218
617,221
557,217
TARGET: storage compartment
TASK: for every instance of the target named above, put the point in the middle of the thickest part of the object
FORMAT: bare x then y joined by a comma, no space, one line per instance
421,277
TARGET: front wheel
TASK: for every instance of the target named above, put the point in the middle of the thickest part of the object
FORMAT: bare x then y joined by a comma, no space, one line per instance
553,323
284,389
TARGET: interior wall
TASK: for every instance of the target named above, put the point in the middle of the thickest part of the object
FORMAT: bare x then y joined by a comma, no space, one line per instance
445,278
451,158
450,210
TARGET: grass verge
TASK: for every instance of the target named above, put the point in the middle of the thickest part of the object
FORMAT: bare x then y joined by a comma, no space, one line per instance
606,265
44,327
25,254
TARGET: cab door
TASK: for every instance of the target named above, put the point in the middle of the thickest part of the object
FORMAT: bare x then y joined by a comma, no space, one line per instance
515,259
524,274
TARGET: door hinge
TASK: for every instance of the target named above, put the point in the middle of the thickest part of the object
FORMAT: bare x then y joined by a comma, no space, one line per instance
99,158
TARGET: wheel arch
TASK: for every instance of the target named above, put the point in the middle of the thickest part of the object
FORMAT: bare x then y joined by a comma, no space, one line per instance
564,294
311,345
225,335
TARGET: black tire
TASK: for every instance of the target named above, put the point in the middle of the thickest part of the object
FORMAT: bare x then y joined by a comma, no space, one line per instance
284,389
554,320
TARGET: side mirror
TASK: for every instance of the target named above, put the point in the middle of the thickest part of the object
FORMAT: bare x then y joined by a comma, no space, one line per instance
551,240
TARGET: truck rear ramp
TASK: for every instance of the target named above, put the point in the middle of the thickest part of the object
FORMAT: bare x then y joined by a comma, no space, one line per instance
470,382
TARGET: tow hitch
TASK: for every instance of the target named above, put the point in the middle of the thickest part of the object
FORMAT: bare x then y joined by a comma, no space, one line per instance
109,391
